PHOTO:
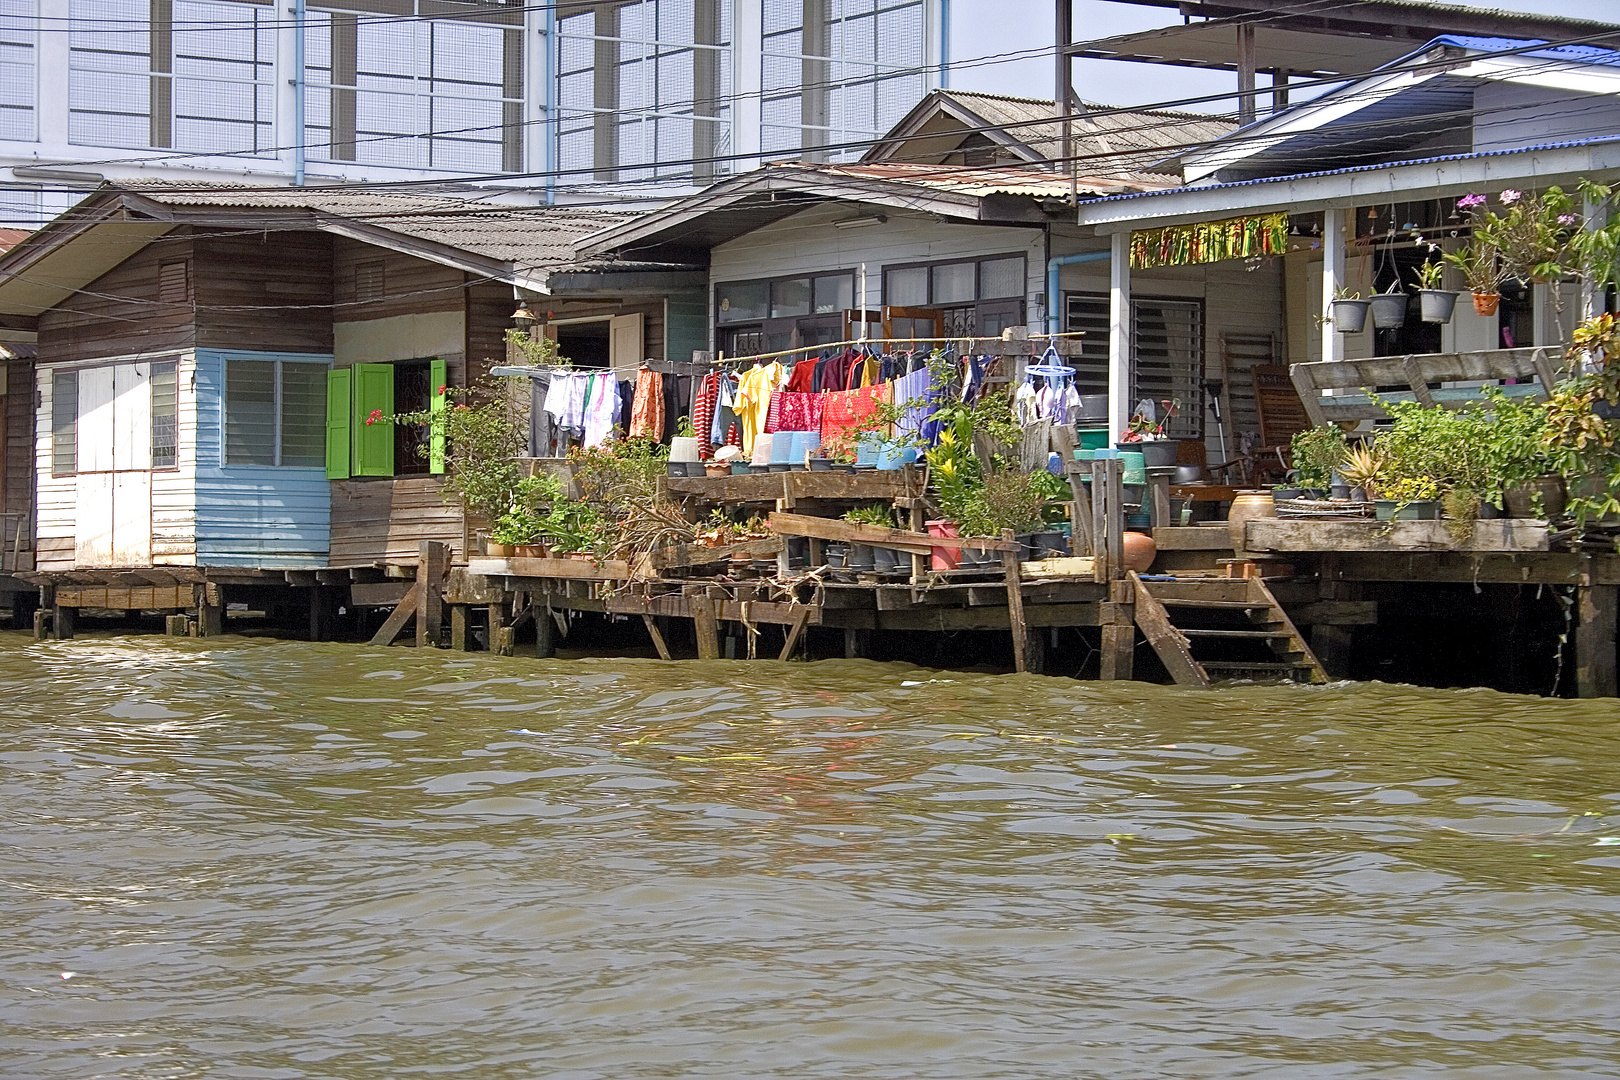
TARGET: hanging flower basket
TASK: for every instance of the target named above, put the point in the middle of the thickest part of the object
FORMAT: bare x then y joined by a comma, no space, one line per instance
1388,310
1485,303
1348,316
1436,305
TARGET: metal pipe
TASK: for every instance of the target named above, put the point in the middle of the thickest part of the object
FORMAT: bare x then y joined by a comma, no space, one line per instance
299,130
1054,320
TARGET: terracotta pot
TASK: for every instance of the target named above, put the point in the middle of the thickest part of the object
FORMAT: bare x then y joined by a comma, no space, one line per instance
1247,506
1486,303
1140,551
530,551
497,551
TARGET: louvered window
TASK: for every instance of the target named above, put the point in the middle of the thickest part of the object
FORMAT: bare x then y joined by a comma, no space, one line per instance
1167,354
64,423
174,282
275,413
165,411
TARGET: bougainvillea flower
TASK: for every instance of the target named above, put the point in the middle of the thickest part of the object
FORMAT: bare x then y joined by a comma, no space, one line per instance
1468,202
1510,196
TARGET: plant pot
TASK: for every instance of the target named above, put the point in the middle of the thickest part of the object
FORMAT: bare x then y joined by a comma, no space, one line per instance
1246,506
531,551
1358,495
1339,492
1048,543
1604,410
1140,551
676,468
779,466
1420,510
497,551
1486,303
1348,316
821,464
861,558
717,470
941,558
1388,310
798,551
835,555
1436,305
741,468
683,448
1520,499
885,560
1284,493
1313,493
1594,487
1489,511
1156,453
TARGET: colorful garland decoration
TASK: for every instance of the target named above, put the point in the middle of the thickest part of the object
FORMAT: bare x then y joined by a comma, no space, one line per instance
1210,241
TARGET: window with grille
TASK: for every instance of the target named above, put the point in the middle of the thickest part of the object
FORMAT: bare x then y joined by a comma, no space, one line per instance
18,60
275,413
165,413
64,423
1167,354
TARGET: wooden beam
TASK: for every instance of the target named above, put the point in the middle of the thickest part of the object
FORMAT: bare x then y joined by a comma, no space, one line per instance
1595,668
575,569
402,614
706,627
1304,535
800,621
1166,640
460,628
1118,652
878,536
657,638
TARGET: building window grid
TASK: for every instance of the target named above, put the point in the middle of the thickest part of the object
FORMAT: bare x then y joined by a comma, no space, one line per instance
655,92
869,74
211,90
428,94
273,413
19,58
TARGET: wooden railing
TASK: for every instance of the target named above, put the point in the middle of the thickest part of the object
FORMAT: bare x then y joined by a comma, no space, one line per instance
1418,372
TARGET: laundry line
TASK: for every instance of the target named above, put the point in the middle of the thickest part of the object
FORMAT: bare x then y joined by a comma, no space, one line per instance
882,342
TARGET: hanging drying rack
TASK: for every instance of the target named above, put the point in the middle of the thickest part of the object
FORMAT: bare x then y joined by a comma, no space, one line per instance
883,342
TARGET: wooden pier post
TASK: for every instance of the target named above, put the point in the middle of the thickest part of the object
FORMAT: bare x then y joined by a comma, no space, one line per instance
657,637
1595,670
430,570
210,607
62,619
176,626
1015,604
460,628
707,628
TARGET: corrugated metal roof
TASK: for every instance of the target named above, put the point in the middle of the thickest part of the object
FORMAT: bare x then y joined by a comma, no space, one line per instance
977,182
523,236
1567,144
1121,146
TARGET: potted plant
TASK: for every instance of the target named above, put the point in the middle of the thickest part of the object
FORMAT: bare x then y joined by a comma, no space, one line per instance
865,556
1435,305
1389,307
1480,260
1409,498
1317,452
1348,311
1363,469
1146,435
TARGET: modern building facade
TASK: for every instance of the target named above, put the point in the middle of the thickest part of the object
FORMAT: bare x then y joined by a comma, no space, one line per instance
550,100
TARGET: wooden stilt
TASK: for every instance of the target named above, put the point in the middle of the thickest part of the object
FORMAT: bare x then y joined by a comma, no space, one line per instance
176,626
1118,652
796,628
430,569
1015,605
460,628
320,614
852,644
1595,670
545,629
706,627
657,638
42,623
211,620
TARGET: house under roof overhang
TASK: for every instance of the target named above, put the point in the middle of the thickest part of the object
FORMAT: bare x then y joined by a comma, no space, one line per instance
521,246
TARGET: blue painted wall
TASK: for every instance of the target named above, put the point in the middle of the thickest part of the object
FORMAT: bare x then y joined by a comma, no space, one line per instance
254,515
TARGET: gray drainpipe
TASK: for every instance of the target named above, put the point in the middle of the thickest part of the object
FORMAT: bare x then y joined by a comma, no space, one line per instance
1054,321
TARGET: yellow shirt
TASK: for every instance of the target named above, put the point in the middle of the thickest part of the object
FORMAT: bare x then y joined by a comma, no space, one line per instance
754,389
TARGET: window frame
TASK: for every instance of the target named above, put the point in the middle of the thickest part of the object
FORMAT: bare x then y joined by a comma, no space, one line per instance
1192,414
61,375
978,262
278,364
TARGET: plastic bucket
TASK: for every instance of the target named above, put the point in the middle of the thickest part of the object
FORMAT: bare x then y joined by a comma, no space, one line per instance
941,558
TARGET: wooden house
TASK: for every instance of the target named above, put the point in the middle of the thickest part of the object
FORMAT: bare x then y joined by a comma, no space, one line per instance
208,358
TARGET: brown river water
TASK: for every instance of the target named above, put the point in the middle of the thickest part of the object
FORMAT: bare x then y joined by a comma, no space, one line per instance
240,858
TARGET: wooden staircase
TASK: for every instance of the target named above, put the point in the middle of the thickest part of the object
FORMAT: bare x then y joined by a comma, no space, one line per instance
1209,629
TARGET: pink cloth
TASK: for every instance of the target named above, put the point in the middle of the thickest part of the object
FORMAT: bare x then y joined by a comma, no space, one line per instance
843,412
799,412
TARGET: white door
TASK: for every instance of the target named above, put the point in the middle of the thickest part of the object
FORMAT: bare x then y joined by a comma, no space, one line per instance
624,341
114,483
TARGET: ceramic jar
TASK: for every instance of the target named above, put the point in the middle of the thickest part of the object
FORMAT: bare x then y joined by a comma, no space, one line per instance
1247,506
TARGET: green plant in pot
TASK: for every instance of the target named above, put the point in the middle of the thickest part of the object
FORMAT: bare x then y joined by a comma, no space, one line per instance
1347,311
1317,454
1389,307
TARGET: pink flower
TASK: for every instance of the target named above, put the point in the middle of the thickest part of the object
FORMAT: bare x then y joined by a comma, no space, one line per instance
1468,202
1566,219
443,388
375,417
461,408
1510,196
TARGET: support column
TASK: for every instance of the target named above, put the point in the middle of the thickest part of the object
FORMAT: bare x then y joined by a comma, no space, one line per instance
1595,671
460,628
1245,73
747,43
62,619
1119,333
1332,275
320,615
430,568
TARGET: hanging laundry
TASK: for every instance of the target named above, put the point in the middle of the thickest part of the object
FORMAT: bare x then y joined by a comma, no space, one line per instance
703,403
753,400
799,412
773,413
803,378
601,408
845,413
647,409
565,401
914,400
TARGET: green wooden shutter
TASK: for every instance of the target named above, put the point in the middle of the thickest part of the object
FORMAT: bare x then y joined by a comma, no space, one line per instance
438,378
339,403
373,398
